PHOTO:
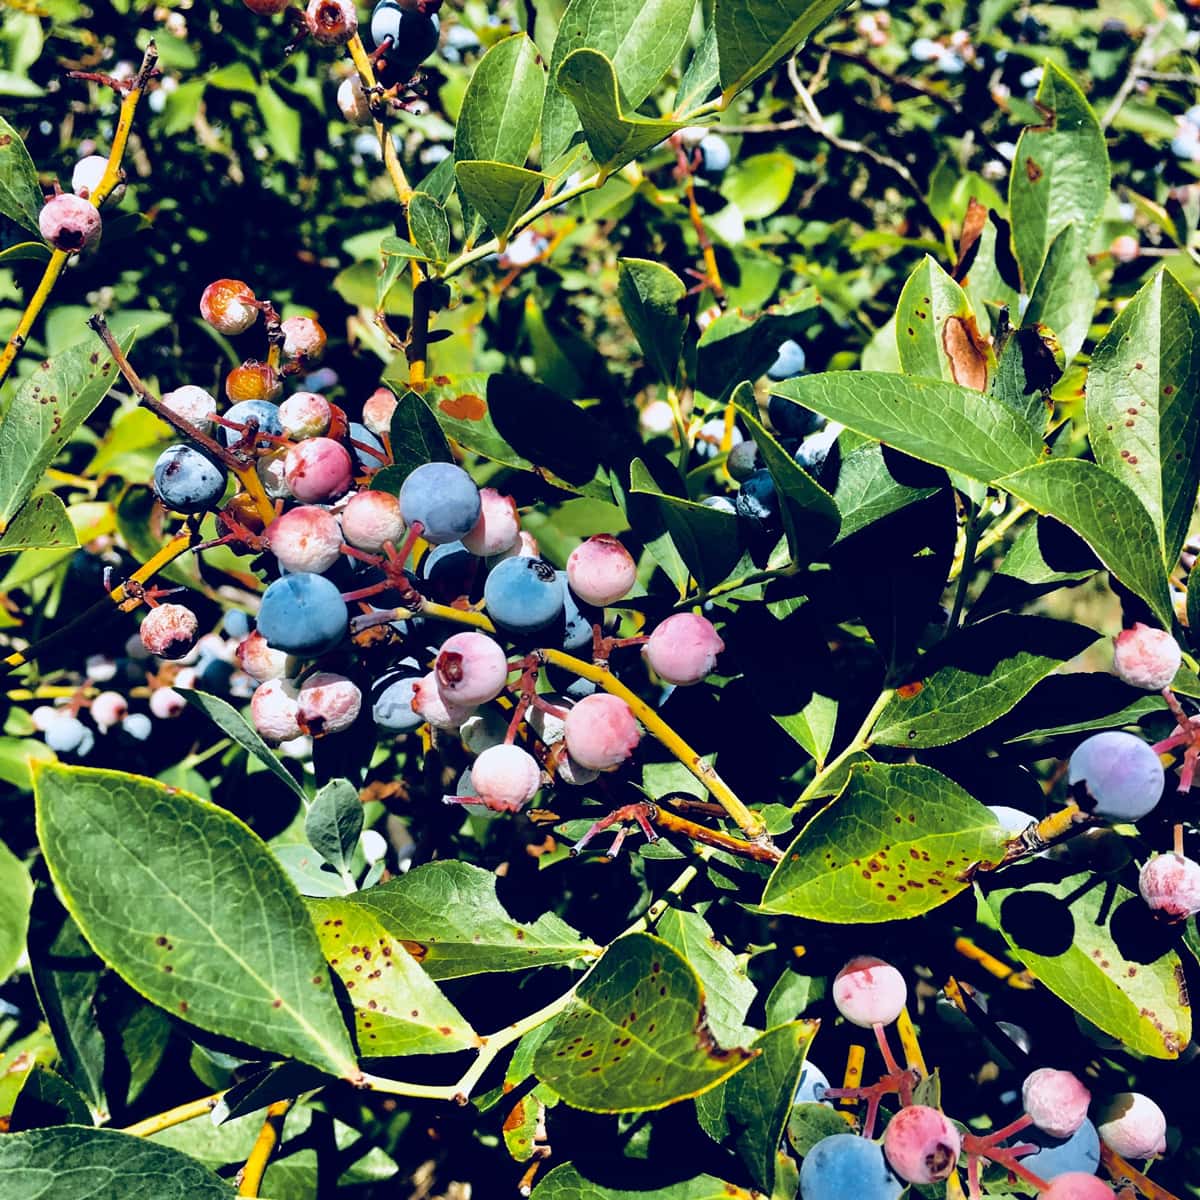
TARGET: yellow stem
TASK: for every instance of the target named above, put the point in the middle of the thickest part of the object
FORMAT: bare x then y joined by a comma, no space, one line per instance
50,693
251,1175
174,1116
860,741
1118,1168
248,478
991,536
908,1040
852,1077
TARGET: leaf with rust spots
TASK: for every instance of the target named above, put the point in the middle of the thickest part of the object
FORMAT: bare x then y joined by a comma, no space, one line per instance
634,1036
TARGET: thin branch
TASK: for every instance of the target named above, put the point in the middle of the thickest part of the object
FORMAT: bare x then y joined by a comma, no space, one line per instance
174,1116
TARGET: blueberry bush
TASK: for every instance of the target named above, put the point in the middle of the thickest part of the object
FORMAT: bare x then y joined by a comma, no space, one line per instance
596,599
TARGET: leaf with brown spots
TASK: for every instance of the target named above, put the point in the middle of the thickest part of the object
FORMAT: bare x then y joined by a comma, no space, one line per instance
897,842
635,1037
41,524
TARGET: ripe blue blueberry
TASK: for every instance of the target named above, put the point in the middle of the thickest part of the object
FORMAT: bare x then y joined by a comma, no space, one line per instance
743,461
187,480
523,595
392,708
443,498
138,726
842,1166
448,571
413,35
810,1088
790,361
262,411
1058,1156
69,735
1117,774
791,420
578,618
715,154
303,614
757,500
236,624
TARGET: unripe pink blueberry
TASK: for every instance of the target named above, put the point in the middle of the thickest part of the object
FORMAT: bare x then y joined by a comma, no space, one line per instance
429,704
192,404
275,710
305,415
109,709
498,527
228,306
506,776
1133,1126
601,732
331,22
601,571
371,519
169,630
378,410
328,703
1125,248
471,669
1170,884
1056,1101
166,703
305,538
318,469
259,660
303,337
683,649
69,222
1077,1185
867,992
352,101
1145,657
921,1144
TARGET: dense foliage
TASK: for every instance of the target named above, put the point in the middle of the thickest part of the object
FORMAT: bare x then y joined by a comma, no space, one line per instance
597,598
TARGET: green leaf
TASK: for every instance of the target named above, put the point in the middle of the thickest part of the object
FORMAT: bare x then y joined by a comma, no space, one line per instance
26,252
753,35
333,823
1097,947
706,538
634,1036
896,843
449,919
398,1009
936,334
20,196
416,438
589,81
701,76
756,1102
461,408
867,491
47,409
942,423
16,894
812,726
1143,405
647,516
566,1183
726,984
1107,515
190,908
975,676
641,38
808,1123
41,524
282,120
761,184
72,1162
234,725
1059,174
810,517
429,227
502,107
395,247
1064,297
498,192
650,295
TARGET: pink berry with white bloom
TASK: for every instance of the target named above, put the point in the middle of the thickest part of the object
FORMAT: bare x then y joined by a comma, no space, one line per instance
109,709
868,992
377,411
303,338
169,630
1145,657
471,669
69,223
166,703
318,469
1125,248
328,703
1170,884
683,649
498,527
1055,1101
1133,1126
331,22
259,660
1077,1185
305,415
526,546
275,711
192,404
305,538
372,519
921,1144
600,732
352,101
601,571
429,704
506,776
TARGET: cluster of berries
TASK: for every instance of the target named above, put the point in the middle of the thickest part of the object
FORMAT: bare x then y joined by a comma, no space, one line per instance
1052,1145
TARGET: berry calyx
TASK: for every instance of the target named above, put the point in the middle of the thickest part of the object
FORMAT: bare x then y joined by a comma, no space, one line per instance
70,223
331,22
1055,1101
228,305
1145,657
921,1144
868,992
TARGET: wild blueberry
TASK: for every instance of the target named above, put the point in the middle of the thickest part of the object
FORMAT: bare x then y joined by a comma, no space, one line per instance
600,732
262,411
601,571
187,480
789,361
228,306
69,223
1119,775
302,614
757,501
1056,1101
1133,1126
392,708
1146,658
443,498
523,595
867,991
683,649
327,703
506,776
842,1166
